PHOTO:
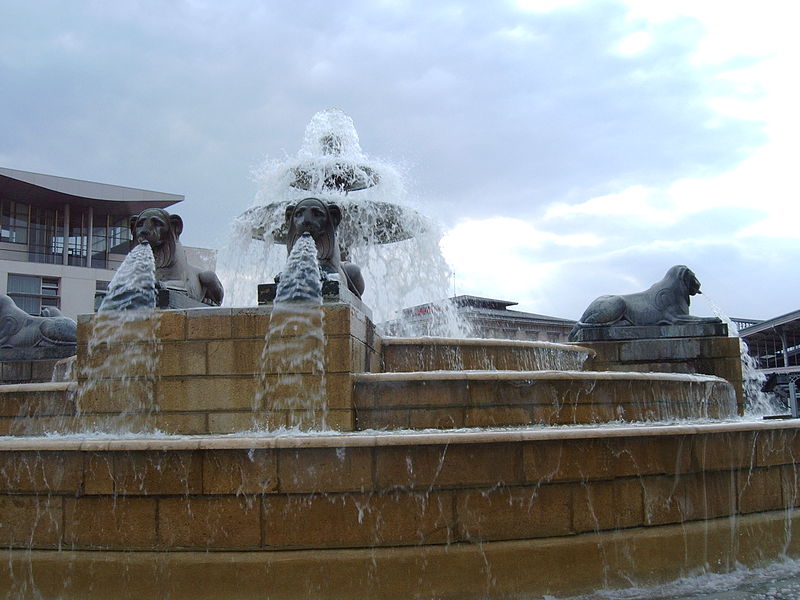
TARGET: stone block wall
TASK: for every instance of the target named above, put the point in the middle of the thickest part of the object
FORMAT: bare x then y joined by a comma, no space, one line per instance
718,356
550,496
27,371
207,372
477,399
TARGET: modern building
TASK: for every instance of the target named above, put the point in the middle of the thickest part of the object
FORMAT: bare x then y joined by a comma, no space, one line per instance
775,346
490,318
61,239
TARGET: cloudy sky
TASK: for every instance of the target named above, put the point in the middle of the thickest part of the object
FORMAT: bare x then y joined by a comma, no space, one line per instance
568,149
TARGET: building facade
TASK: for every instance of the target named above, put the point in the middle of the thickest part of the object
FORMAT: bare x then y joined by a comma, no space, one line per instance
62,239
774,345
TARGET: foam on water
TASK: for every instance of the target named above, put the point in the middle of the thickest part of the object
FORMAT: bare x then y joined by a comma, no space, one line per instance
778,581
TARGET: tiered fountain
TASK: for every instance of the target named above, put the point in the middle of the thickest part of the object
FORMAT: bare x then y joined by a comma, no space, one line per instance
447,468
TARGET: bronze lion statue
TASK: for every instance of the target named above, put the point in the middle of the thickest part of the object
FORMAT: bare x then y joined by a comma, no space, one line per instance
18,329
663,303
321,220
162,231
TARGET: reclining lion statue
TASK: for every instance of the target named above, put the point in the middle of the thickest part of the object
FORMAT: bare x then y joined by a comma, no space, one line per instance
321,219
18,329
664,303
162,231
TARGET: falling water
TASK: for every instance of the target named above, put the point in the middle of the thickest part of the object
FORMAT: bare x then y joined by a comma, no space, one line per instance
396,247
118,370
292,372
133,287
758,403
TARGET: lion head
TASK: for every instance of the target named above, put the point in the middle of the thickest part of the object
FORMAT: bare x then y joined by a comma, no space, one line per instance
318,218
161,230
686,277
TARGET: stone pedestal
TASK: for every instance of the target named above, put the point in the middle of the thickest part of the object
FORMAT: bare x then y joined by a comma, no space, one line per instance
207,372
171,299
714,355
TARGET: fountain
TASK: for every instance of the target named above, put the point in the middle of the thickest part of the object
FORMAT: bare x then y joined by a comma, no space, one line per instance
434,468
396,247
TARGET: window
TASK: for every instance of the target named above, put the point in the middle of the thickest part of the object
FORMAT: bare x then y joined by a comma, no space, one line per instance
31,293
78,241
119,234
99,241
46,246
100,289
14,222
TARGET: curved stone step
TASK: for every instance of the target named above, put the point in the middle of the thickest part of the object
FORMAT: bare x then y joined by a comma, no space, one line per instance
455,354
35,408
454,399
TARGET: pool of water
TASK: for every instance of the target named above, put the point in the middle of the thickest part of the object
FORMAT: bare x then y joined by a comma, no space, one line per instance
778,581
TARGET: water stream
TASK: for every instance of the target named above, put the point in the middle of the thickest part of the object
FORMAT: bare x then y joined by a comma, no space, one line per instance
758,402
291,380
117,373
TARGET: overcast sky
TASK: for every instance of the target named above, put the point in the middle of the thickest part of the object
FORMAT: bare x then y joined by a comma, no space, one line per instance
568,149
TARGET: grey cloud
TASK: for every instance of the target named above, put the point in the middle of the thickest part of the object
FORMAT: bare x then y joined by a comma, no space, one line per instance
489,109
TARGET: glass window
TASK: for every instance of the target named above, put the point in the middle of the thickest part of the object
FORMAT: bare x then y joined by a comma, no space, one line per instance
78,242
45,246
14,222
100,241
30,292
119,234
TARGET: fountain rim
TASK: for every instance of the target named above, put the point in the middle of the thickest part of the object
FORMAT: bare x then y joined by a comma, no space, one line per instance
470,375
434,340
544,375
375,439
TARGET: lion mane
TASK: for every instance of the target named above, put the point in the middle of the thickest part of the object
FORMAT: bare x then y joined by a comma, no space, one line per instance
164,248
325,240
162,231
324,234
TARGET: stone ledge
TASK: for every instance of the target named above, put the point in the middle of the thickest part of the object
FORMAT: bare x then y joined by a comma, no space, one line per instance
329,439
600,334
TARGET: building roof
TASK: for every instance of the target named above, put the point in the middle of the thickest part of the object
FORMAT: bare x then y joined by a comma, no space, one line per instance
44,190
488,307
788,323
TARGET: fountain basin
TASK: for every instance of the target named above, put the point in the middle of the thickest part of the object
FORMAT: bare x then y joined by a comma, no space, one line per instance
465,514
472,513
449,354
452,399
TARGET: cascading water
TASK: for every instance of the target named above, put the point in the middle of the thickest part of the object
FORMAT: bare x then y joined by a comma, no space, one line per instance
396,248
292,373
759,403
121,360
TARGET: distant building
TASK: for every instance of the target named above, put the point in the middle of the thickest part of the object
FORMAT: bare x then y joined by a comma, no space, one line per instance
62,239
775,346
489,318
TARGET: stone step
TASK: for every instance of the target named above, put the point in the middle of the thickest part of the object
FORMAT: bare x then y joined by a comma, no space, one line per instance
35,408
455,354
453,399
